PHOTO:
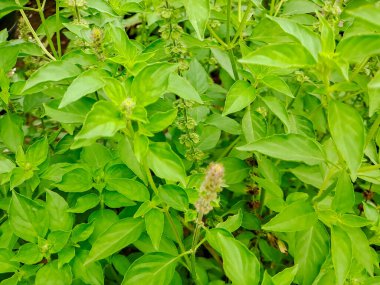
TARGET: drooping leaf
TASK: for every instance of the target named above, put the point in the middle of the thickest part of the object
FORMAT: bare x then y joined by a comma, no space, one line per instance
198,12
240,95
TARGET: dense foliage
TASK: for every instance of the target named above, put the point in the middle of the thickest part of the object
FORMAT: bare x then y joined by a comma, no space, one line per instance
190,141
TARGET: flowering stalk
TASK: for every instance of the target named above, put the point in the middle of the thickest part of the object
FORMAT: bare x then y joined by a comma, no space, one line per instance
208,197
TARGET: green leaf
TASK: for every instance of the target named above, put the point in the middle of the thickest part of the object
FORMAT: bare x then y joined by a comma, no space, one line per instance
279,109
81,232
77,180
356,48
71,114
311,249
277,84
198,12
240,95
341,251
37,152
344,198
154,223
165,163
89,273
174,196
52,72
239,263
161,120
348,132
182,87
130,188
104,120
50,274
115,238
308,39
286,55
11,132
29,253
297,216
158,76
59,218
232,223
224,123
86,83
96,155
374,94
7,265
84,203
368,13
236,170
290,147
286,276
151,269
8,57
28,218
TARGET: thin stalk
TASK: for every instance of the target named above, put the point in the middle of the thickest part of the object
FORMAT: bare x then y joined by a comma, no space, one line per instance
228,38
216,37
369,168
228,149
272,4
278,7
43,20
242,23
233,64
372,130
239,11
57,15
35,36
194,246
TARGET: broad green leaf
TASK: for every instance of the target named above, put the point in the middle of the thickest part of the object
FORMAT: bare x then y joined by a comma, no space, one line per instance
130,188
84,203
165,163
297,216
358,47
11,133
81,232
158,77
286,55
59,218
279,109
37,152
71,114
286,276
308,39
254,126
182,87
28,219
29,253
277,84
50,274
52,72
88,273
239,263
154,224
311,249
197,76
104,120
174,196
236,170
86,83
368,13
77,180
161,120
224,123
8,57
341,251
290,147
116,237
151,269
6,165
6,263
344,198
348,132
96,155
361,250
198,12
240,95
232,223
374,94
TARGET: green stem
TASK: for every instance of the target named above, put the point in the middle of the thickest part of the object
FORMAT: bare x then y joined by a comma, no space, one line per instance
242,23
228,38
35,36
369,168
272,4
150,178
216,37
57,18
228,149
278,7
372,130
43,20
194,247
233,64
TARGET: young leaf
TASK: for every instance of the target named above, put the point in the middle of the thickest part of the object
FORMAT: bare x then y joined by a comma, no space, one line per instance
297,216
182,87
115,238
151,269
165,163
348,132
240,95
290,147
59,218
344,198
356,48
341,251
154,223
174,196
198,12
